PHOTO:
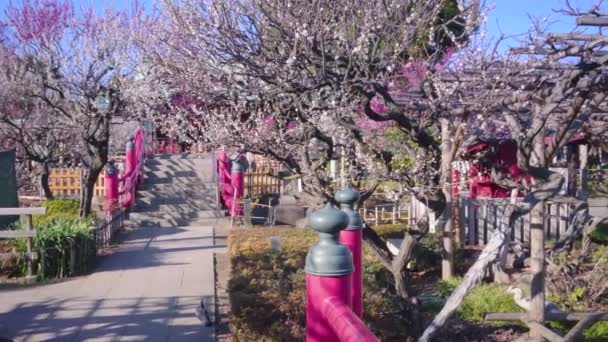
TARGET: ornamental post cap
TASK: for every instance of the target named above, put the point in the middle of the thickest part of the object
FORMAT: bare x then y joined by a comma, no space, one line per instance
328,220
347,196
130,145
328,258
236,166
111,168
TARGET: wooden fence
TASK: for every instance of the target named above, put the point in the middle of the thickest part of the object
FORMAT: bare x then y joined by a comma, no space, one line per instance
480,217
29,233
67,182
261,177
389,213
77,258
261,183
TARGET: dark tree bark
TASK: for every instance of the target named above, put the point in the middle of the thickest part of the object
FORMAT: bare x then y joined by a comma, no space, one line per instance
44,180
98,149
88,190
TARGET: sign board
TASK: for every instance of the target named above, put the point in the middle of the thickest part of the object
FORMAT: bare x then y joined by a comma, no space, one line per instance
8,186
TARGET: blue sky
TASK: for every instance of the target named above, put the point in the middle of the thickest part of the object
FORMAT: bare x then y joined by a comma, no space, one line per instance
511,17
507,16
99,4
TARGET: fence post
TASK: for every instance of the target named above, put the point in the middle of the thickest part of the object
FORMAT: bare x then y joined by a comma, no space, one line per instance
111,183
237,181
26,220
352,237
328,268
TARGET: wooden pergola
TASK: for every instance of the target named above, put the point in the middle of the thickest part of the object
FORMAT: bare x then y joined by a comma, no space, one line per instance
563,45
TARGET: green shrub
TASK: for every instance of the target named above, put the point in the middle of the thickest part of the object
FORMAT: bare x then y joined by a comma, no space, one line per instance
600,235
56,209
66,244
600,257
598,332
484,298
391,231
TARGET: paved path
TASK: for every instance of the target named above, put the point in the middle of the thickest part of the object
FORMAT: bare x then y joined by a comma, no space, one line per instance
146,290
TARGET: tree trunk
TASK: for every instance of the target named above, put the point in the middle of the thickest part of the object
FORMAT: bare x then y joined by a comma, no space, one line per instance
445,221
44,181
537,247
447,241
537,251
99,159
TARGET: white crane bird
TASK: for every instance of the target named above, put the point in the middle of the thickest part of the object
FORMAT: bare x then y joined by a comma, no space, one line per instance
526,302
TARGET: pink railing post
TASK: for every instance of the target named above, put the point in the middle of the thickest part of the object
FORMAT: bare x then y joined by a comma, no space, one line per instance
352,238
237,181
130,163
111,187
130,169
223,167
328,268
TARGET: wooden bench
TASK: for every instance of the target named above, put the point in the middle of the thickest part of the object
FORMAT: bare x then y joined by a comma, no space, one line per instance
29,233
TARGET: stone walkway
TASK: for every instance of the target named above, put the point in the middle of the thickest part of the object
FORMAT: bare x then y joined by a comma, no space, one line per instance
147,289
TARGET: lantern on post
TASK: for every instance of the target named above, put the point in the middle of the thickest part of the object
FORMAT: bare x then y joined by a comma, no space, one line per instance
111,187
237,180
352,237
130,162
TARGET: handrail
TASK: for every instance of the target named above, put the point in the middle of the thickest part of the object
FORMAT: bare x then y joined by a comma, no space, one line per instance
120,190
130,180
345,324
215,180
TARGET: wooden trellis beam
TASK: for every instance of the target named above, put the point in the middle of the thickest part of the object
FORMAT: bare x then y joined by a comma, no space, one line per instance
585,319
588,20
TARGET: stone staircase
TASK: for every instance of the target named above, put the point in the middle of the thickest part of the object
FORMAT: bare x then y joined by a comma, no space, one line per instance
178,190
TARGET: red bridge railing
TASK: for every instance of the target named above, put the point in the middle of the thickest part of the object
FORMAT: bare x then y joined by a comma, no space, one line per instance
334,275
231,182
120,189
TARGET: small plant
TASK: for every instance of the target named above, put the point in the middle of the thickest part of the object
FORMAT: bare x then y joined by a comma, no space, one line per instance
595,333
484,298
600,235
56,209
58,239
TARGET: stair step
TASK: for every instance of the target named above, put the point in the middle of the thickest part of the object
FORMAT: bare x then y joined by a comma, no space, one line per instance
194,181
169,223
173,174
172,168
182,156
179,162
176,215
176,196
197,206
171,188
